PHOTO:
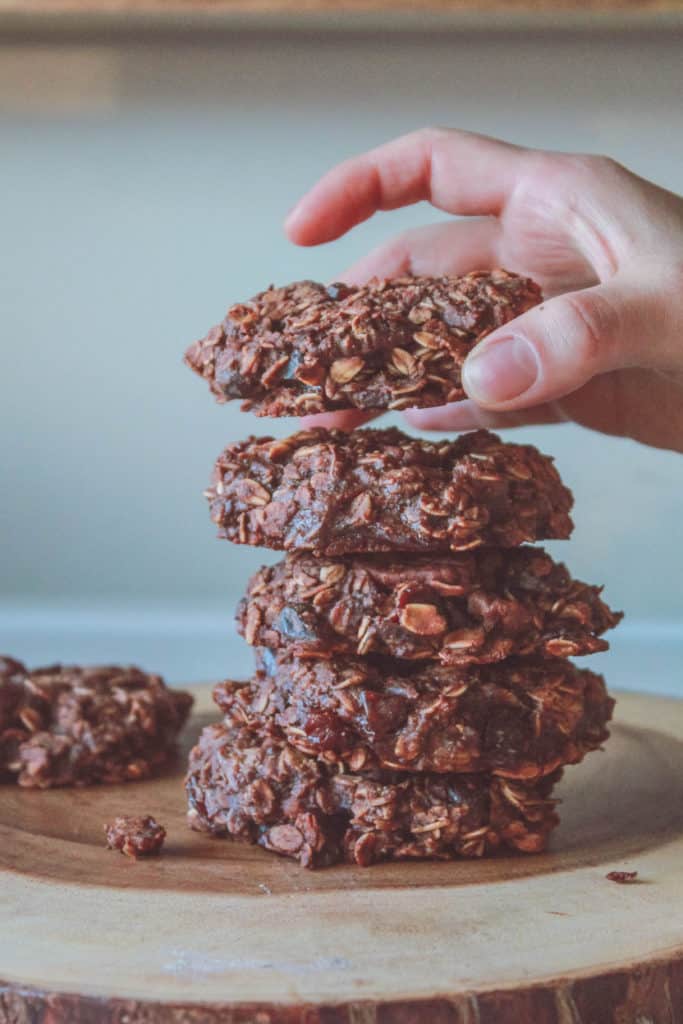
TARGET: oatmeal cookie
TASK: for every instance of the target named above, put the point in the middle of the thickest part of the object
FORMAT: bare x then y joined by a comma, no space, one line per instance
72,726
379,490
396,344
474,607
521,719
264,790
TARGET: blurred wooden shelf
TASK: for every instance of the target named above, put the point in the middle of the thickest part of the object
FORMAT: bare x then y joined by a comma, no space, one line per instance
387,15
332,6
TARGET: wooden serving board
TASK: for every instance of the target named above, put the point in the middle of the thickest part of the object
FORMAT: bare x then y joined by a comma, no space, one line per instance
219,931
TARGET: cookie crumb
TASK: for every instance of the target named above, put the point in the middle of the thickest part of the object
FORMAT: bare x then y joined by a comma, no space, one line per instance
135,836
622,877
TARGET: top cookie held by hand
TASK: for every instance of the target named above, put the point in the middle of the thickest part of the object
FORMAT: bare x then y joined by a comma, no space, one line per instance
389,344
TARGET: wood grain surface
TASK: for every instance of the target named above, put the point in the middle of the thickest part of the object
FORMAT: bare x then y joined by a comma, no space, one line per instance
218,931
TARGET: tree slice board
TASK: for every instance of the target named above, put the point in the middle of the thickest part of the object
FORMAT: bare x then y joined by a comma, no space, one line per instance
216,930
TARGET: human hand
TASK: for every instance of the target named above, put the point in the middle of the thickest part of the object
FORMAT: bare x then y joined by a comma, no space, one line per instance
604,350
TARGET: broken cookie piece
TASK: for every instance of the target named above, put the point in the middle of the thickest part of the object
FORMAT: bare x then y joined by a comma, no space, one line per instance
388,344
65,725
622,877
135,836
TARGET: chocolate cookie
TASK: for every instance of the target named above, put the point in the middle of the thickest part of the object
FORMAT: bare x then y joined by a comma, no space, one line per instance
12,729
73,726
522,719
264,790
380,490
477,606
395,344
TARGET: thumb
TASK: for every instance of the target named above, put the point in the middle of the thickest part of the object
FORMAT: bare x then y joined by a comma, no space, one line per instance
561,344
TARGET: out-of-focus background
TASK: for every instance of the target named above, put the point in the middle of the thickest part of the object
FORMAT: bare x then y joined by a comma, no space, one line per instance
143,182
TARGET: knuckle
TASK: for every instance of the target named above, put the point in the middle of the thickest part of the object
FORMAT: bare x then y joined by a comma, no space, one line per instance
569,170
592,325
595,166
433,133
547,173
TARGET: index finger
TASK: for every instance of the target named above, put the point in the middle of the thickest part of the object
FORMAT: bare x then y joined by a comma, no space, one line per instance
456,171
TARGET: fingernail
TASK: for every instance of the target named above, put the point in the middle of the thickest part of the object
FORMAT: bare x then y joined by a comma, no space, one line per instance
501,370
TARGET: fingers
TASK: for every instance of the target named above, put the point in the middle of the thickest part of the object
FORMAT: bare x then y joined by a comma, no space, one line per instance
642,404
457,171
457,247
558,346
467,415
450,248
346,419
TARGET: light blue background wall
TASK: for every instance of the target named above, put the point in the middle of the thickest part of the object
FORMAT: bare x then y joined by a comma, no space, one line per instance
142,190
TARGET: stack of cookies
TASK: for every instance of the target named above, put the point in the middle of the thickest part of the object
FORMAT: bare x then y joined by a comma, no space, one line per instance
412,695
